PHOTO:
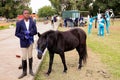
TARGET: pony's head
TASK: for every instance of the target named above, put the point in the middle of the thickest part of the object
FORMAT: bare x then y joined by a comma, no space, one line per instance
41,45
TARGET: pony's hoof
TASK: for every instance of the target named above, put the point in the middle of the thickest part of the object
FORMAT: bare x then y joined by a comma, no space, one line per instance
20,67
47,73
79,67
65,71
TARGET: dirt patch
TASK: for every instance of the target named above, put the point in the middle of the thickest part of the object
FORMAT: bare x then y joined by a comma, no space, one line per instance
115,28
5,23
93,70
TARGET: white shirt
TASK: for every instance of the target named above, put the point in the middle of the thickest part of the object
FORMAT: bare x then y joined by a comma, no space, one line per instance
99,16
52,18
27,24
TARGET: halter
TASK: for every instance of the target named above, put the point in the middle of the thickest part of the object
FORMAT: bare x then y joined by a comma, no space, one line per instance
39,51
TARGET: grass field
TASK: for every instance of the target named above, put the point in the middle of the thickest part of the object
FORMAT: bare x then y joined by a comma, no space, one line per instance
108,47
6,25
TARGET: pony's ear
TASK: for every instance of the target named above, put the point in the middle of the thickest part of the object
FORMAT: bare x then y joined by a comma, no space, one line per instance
38,34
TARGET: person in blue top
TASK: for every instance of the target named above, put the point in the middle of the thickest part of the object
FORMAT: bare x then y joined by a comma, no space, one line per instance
91,19
98,19
81,19
65,22
102,22
108,21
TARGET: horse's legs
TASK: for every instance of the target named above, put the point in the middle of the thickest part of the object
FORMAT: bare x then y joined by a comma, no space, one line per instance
50,63
79,50
82,50
63,61
80,63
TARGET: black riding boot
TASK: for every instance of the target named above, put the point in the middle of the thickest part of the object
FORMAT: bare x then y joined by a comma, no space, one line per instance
24,66
30,66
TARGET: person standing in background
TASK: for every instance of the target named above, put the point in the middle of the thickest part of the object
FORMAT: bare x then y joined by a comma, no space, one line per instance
108,21
34,19
112,16
98,20
25,31
90,24
102,22
91,19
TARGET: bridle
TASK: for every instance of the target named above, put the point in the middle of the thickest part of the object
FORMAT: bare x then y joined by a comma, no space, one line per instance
39,50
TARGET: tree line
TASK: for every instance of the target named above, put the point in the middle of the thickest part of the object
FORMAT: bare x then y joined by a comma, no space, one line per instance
84,5
12,8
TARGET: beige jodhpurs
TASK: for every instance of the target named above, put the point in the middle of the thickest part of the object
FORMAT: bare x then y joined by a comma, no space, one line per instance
27,52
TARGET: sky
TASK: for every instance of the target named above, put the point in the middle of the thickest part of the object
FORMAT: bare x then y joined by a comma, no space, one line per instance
37,4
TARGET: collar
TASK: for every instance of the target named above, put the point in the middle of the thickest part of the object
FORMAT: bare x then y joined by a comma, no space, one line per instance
26,21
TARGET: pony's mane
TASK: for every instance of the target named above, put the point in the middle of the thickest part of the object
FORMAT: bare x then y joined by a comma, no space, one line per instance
48,32
52,31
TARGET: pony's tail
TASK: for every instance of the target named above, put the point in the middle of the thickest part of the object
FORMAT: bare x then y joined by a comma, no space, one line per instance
84,54
84,51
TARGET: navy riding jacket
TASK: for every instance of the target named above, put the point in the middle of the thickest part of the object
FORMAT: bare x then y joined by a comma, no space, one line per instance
20,32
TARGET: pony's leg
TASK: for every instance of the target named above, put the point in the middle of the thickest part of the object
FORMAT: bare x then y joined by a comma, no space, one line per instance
79,50
63,61
80,62
82,50
50,63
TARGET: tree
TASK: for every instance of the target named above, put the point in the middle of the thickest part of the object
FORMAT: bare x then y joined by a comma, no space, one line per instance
70,4
56,4
46,11
11,8
107,4
83,5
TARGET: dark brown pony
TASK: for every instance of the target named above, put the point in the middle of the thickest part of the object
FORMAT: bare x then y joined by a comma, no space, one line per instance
59,42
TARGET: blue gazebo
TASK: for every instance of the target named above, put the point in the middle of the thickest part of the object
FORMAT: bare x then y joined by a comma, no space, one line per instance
71,14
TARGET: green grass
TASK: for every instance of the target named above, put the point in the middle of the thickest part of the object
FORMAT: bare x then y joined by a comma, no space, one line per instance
4,27
7,26
109,49
42,68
